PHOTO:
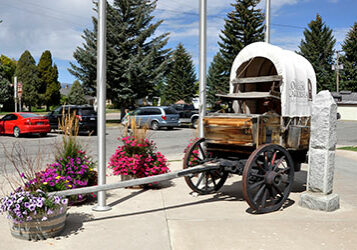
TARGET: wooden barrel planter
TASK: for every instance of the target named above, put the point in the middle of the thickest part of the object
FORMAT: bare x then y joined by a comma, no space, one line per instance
36,229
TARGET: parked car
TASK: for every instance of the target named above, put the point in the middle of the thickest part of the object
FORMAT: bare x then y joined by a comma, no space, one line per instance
24,123
188,114
86,115
156,117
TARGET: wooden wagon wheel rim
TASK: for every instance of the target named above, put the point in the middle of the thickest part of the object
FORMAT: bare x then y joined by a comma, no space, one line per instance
267,178
206,182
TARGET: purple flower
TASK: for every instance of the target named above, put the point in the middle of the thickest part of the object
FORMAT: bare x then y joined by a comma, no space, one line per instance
28,218
32,207
64,201
39,203
22,175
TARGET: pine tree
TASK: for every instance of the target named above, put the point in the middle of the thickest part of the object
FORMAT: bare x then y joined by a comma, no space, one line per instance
136,60
76,94
181,77
317,48
27,74
216,81
243,26
349,60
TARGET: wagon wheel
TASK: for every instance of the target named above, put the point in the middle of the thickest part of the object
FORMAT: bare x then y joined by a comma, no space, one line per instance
205,182
267,178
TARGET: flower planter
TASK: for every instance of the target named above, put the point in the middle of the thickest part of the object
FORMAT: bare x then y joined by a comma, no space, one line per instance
38,229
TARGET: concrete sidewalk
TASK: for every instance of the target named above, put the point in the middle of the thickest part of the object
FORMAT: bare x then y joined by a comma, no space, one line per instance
172,218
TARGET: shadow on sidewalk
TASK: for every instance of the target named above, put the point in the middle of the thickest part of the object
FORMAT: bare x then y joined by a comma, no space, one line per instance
74,224
232,192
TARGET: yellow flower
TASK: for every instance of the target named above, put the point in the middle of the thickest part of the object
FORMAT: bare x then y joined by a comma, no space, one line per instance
70,186
45,183
57,177
66,181
90,169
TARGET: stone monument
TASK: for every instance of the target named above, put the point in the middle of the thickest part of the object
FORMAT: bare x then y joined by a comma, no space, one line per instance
323,141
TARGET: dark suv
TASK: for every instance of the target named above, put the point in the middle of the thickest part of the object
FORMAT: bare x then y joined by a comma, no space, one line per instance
86,115
187,113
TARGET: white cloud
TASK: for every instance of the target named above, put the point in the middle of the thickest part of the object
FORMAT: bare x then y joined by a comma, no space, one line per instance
41,25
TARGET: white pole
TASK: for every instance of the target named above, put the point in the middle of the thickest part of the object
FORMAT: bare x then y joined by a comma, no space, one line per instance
15,92
267,21
202,87
101,97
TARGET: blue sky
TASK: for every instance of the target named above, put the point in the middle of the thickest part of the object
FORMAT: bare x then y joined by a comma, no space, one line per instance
58,25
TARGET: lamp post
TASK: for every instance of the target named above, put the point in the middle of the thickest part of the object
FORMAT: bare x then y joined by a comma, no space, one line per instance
337,67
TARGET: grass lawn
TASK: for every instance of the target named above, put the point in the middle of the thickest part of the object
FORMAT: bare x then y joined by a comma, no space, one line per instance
349,148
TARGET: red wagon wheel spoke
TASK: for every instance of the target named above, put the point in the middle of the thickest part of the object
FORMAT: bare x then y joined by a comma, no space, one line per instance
206,182
267,178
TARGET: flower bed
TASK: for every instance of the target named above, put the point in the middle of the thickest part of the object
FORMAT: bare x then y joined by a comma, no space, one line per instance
65,173
137,158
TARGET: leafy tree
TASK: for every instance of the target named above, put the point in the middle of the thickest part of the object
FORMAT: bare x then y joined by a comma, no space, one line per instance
9,66
181,77
136,60
317,47
76,95
6,91
49,86
7,70
27,74
243,26
349,60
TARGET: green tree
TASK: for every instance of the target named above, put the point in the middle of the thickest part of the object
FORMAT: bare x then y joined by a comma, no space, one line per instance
49,86
76,94
243,26
216,81
136,59
9,66
7,70
6,91
317,47
27,74
181,77
52,96
349,60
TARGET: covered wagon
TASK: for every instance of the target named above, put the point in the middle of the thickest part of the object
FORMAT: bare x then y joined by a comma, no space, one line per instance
264,132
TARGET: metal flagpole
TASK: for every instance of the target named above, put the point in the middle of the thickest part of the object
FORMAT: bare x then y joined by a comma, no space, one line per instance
202,87
267,21
101,97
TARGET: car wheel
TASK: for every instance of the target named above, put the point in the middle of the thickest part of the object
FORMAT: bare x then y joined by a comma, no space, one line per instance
155,125
43,134
195,123
170,128
17,132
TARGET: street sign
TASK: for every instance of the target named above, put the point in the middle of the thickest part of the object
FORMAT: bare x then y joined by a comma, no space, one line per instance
19,90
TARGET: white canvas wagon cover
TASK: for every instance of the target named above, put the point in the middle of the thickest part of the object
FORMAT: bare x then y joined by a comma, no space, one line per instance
298,80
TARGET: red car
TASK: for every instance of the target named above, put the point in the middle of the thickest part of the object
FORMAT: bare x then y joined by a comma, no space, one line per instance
24,123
